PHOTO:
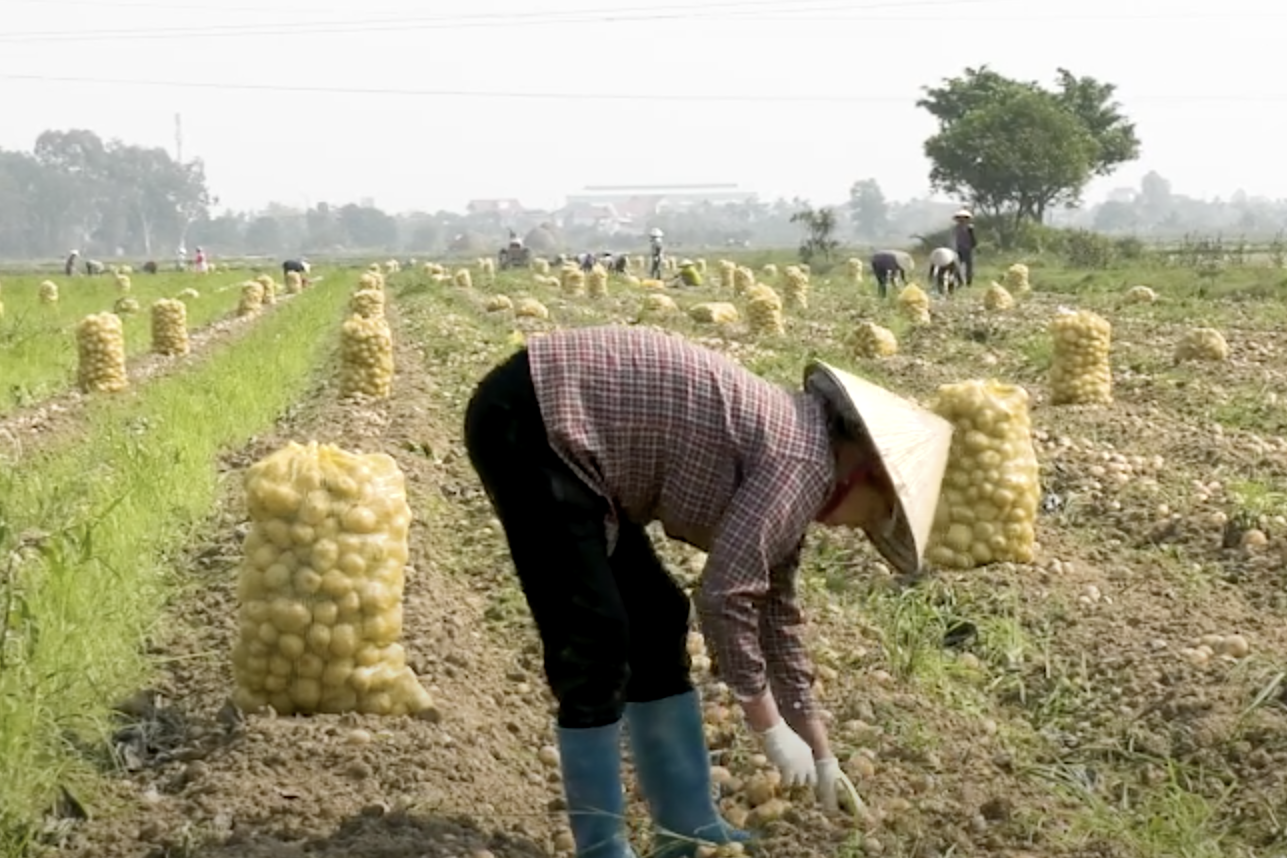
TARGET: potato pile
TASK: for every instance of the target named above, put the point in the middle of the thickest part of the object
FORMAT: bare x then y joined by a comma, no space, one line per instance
367,303
100,346
294,283
853,267
997,297
270,288
652,285
320,586
1080,373
496,303
988,508
572,281
658,304
797,287
170,327
189,295
48,292
727,273
366,357
701,265
597,286
743,279
770,271
252,298
531,308
764,310
870,340
714,313
1202,344
1140,295
1016,279
123,283
375,280
915,304
125,306
541,266
463,279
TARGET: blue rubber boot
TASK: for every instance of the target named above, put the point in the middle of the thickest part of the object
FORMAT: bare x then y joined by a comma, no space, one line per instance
674,770
591,763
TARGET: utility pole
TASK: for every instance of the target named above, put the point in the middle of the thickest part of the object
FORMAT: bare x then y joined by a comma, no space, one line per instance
178,138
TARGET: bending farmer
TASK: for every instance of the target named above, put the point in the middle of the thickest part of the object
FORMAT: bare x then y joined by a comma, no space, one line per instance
587,436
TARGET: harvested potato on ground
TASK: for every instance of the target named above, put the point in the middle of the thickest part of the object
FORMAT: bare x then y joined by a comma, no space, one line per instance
532,308
1140,295
366,357
914,304
997,297
496,303
659,305
714,313
1016,279
870,340
48,292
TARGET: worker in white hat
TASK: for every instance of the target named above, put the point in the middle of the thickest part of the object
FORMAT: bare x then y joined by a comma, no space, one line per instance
656,253
587,436
965,242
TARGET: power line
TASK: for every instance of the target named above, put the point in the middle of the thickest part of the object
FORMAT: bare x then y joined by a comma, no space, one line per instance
1185,98
739,9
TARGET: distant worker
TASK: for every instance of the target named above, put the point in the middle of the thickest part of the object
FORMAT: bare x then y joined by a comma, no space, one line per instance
656,254
200,262
299,266
965,241
69,267
890,266
688,273
181,259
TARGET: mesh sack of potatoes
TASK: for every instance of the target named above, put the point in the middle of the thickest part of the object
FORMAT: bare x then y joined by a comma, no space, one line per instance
543,280
48,292
496,303
997,297
170,327
769,271
572,279
123,283
714,313
294,283
797,287
100,347
657,304
764,316
270,288
1080,373
597,282
652,285
1016,279
367,303
1202,344
125,306
853,267
252,298
988,507
487,267
531,308
701,266
1140,295
743,279
541,266
870,340
366,357
189,295
727,273
464,279
320,586
914,303
371,280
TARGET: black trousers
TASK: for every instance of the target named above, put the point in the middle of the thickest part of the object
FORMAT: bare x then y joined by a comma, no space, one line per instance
614,629
967,265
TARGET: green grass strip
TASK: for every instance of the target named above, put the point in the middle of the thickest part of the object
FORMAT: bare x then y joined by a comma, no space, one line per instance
99,517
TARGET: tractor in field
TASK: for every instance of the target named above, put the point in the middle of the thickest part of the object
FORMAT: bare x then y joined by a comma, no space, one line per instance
514,255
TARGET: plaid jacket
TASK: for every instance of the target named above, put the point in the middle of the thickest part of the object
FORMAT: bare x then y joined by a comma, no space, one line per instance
668,431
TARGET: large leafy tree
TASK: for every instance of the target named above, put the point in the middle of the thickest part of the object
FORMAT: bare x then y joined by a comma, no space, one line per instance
1013,147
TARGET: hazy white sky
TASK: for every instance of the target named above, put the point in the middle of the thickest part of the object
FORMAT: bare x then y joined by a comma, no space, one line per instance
708,91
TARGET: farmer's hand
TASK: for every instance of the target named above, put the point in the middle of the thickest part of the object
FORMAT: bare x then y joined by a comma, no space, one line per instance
835,791
791,754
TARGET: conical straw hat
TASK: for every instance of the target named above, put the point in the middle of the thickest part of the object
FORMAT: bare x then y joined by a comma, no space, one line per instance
912,443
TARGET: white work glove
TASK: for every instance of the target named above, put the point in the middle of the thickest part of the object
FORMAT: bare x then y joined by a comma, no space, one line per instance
791,754
835,790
